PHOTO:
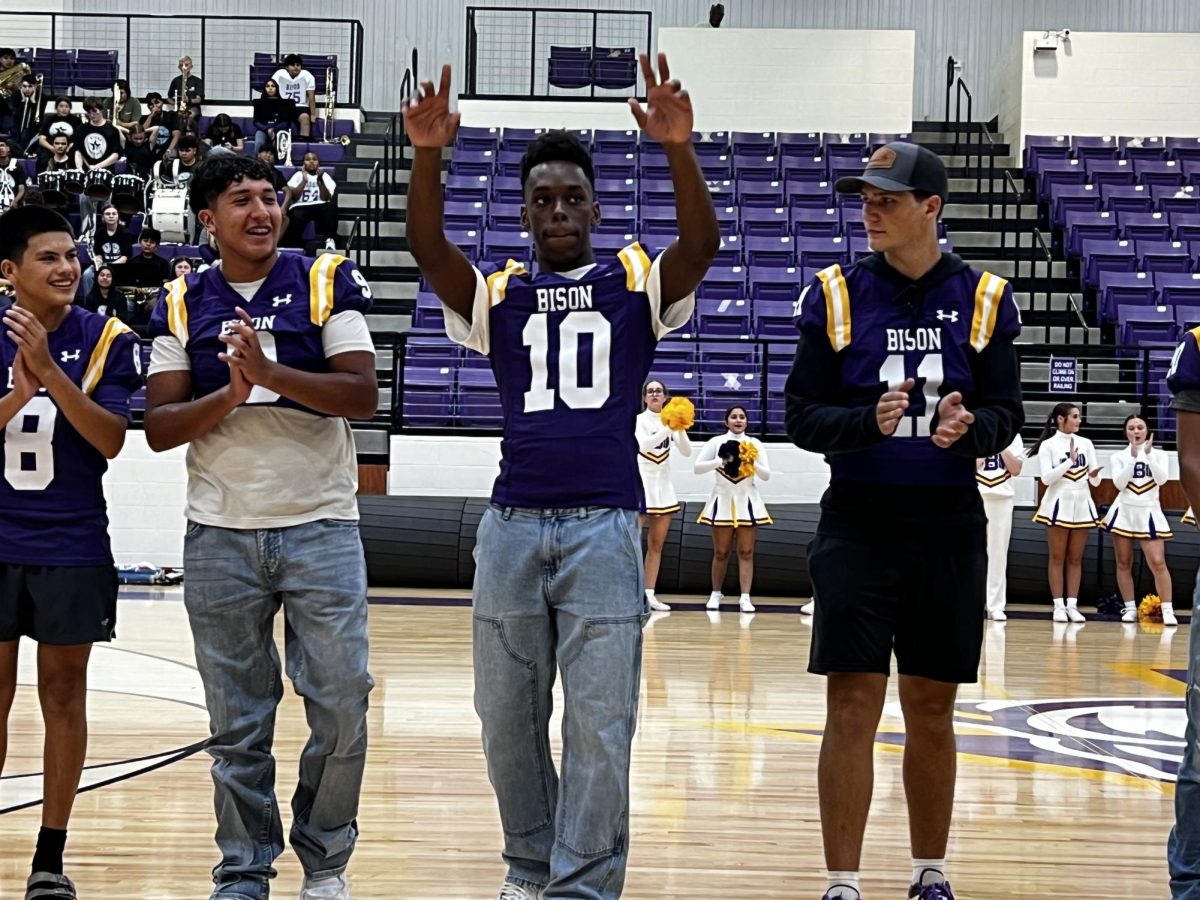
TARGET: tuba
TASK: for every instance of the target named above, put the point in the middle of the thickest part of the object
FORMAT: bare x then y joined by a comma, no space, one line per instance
10,79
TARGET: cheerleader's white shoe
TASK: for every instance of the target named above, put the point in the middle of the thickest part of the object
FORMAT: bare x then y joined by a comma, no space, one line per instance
1074,614
1168,614
656,604
808,608
744,604
714,600
1129,613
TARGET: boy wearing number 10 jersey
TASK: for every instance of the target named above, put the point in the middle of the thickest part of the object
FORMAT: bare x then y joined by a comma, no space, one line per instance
64,408
904,374
558,559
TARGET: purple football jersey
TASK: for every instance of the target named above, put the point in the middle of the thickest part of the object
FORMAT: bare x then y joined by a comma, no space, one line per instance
52,509
570,356
289,310
883,340
1184,374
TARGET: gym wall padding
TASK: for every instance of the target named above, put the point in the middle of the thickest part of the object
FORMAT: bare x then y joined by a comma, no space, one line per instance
428,542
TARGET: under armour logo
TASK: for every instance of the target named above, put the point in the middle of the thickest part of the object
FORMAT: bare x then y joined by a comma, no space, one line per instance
68,356
944,316
281,301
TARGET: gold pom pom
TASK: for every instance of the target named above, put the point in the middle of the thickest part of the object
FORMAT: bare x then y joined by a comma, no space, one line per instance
747,453
679,414
1150,609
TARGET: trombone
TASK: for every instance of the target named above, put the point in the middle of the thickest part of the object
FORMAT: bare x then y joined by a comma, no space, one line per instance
327,136
31,112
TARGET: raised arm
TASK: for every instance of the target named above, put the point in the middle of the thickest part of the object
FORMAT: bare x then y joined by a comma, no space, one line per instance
668,119
762,465
431,126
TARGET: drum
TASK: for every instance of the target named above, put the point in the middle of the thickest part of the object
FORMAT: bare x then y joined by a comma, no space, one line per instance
169,214
75,180
98,184
53,188
128,194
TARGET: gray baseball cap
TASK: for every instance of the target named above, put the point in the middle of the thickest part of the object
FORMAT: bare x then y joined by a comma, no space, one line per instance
900,166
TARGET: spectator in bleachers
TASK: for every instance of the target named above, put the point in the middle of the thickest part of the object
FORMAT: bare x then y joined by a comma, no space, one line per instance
224,136
186,90
111,244
734,508
59,156
97,146
129,110
102,298
1067,462
148,241
161,124
27,118
310,198
139,154
12,178
189,126
179,170
181,265
8,59
1138,471
272,112
716,15
61,121
298,85
266,155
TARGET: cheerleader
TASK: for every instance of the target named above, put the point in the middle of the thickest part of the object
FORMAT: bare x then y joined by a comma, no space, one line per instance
655,442
1067,462
734,506
1138,471
994,475
1189,517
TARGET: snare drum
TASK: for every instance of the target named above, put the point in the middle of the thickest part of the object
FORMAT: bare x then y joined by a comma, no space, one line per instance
74,181
53,188
169,214
98,185
128,194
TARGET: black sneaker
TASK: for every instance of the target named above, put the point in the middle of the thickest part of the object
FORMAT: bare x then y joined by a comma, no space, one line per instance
47,886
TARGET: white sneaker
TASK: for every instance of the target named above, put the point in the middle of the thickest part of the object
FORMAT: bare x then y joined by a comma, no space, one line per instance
1060,614
1129,614
744,603
1168,614
997,615
808,608
656,604
1073,614
510,891
332,888
714,600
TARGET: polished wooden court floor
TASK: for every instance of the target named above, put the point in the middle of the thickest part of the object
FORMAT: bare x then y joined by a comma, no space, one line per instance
1068,747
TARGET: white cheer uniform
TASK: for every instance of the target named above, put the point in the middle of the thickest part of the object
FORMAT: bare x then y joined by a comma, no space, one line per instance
1137,513
734,501
1067,502
996,489
655,443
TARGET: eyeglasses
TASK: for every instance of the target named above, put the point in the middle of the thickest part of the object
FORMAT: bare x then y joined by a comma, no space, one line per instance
655,391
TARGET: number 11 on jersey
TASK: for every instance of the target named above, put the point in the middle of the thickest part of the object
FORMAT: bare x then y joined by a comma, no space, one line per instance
893,373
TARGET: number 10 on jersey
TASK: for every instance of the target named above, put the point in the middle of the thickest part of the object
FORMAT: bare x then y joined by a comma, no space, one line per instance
894,372
536,336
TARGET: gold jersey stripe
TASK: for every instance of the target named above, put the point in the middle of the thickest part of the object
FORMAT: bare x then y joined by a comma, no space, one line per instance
95,367
321,277
837,306
637,267
988,297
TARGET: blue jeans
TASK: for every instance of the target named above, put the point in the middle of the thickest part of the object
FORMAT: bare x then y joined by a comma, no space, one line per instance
560,589
237,580
1183,846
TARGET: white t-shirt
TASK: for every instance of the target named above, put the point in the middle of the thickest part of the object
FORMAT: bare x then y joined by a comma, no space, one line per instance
243,473
312,191
295,88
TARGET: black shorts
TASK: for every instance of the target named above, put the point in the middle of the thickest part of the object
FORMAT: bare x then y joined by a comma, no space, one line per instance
871,600
59,605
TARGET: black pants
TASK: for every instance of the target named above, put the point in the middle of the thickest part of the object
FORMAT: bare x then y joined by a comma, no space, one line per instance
323,214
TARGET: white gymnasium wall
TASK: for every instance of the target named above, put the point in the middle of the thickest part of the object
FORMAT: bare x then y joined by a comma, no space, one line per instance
30,31
1123,84
1006,78
146,493
790,79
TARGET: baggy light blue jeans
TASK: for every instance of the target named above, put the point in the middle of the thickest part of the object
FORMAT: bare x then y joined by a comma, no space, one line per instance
1183,846
560,590
237,580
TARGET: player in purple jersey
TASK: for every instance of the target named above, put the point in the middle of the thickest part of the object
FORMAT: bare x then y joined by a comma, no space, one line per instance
904,374
558,562
64,408
256,364
1183,847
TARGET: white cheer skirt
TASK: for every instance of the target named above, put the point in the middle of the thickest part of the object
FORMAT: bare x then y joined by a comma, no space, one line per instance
1144,523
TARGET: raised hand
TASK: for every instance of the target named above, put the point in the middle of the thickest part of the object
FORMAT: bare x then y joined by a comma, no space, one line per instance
24,385
892,406
1071,451
953,420
29,335
1149,444
428,121
245,354
667,117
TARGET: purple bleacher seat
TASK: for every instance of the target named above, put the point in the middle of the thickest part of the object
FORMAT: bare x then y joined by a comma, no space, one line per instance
614,140
727,217
1066,198
428,312
1185,226
478,398
813,193
1163,256
606,246
621,191
861,246
508,162
1058,171
752,143
708,143
730,252
1182,203
673,356
1109,171
432,351
499,246
519,138
467,240
1175,288
472,162
614,68
476,137
1106,147
615,165
1152,226
715,168
468,188
460,215
838,143
1125,288
818,253
722,316
96,70
756,167
1158,172
658,220
808,222
1134,198
802,167
723,282
1182,148
774,318
507,189
1042,146
875,140
503,216
741,388
29,167
802,143
760,193
618,219
57,68
1142,147
1106,256
680,383
724,193
770,251
777,284
715,355
1187,317
428,395
1145,324
1089,226
845,166
760,221
656,191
